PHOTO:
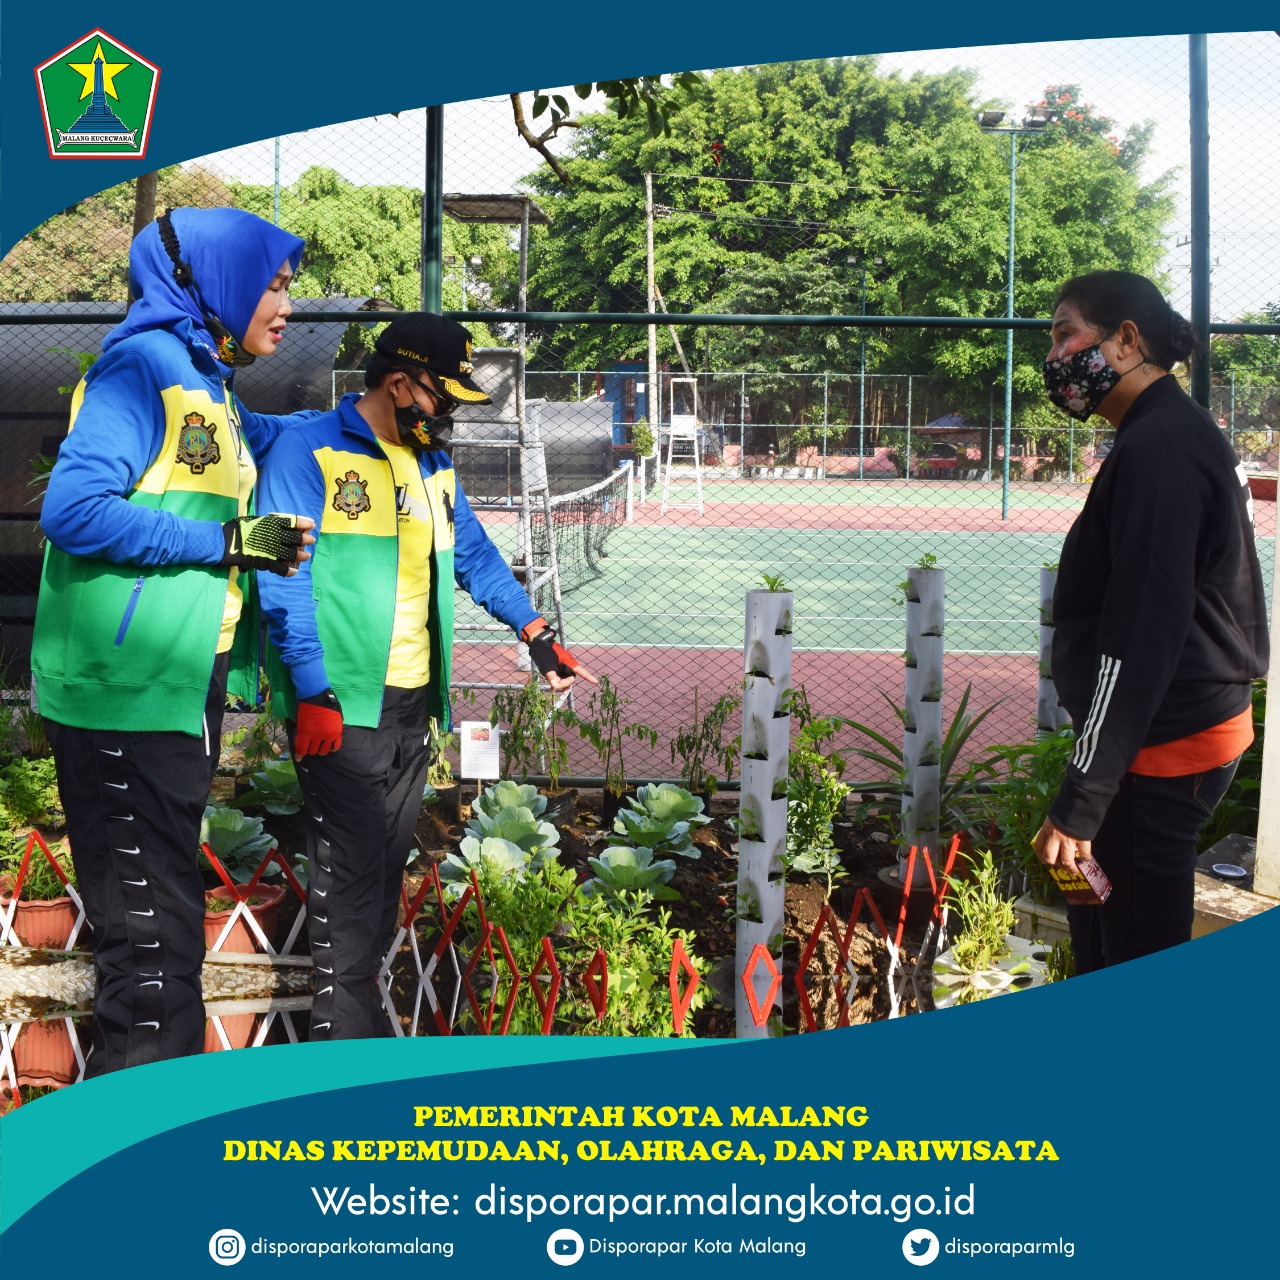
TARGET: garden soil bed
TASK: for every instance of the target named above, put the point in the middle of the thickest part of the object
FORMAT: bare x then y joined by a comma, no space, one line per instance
707,889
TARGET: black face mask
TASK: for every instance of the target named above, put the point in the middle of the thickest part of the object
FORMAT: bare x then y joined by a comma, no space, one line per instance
422,430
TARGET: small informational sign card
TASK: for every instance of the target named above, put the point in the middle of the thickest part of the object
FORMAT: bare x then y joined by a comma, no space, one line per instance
479,748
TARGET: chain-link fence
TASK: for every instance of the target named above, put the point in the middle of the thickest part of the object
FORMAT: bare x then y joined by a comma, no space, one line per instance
833,455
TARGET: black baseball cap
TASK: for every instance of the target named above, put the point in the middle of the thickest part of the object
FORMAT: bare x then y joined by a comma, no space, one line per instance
442,347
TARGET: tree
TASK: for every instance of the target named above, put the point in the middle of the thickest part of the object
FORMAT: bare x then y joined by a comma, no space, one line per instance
82,253
777,183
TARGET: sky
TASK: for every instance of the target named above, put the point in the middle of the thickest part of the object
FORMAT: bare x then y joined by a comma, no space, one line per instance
1131,80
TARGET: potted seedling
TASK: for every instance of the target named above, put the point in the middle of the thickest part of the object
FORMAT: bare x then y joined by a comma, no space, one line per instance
700,747
440,772
601,725
530,741
985,959
44,914
242,847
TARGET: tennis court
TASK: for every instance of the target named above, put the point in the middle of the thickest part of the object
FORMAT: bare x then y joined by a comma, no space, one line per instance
665,611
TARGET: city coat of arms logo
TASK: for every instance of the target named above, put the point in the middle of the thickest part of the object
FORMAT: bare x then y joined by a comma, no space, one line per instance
352,496
196,446
96,97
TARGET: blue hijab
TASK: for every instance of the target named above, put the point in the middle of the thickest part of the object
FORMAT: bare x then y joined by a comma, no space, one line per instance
234,256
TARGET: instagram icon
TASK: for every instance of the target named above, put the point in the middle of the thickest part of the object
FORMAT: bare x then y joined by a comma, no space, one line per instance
226,1247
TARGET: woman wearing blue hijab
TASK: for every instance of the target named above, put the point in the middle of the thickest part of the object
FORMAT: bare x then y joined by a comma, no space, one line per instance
146,618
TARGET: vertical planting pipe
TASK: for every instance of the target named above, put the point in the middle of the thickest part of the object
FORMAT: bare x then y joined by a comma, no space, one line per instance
922,731
766,730
1051,715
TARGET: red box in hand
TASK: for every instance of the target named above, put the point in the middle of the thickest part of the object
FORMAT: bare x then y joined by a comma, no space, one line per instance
1088,888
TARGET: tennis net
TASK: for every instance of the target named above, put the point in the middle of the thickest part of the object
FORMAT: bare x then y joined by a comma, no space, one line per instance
580,523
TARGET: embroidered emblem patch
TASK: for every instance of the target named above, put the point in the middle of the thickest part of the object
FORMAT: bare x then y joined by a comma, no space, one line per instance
197,448
352,496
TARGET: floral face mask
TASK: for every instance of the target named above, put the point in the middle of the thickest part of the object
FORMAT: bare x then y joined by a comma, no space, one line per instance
1079,383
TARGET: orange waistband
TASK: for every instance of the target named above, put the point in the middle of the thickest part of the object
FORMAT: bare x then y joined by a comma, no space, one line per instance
1208,749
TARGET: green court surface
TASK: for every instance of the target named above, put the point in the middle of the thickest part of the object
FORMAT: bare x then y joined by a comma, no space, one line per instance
684,588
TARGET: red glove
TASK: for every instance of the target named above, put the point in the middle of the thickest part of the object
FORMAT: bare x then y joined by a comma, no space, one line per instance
547,654
319,728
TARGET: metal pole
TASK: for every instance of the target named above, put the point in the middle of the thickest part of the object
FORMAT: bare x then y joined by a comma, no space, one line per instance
742,425
433,213
1199,93
652,395
910,389
1008,338
275,187
862,373
826,397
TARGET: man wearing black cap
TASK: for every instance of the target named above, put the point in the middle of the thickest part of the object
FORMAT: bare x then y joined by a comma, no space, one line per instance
362,639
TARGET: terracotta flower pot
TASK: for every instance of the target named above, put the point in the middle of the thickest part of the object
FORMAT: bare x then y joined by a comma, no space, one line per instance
43,1055
263,910
43,924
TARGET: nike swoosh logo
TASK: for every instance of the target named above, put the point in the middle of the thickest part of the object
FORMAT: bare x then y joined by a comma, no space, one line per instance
324,991
119,786
135,849
323,969
322,893
116,752
322,944
148,944
150,984
322,1026
135,882
321,919
122,817
148,1024
148,912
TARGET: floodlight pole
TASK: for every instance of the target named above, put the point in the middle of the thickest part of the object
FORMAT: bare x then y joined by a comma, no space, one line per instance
1013,132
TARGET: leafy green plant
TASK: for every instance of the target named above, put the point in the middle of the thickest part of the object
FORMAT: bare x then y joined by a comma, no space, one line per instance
517,825
29,792
530,742
239,842
440,768
259,742
642,438
622,869
815,791
960,790
601,725
275,788
508,795
701,745
986,915
660,818
773,582
41,883
491,858
1017,802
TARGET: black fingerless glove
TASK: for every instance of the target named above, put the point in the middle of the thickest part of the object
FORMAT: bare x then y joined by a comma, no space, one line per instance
548,655
268,542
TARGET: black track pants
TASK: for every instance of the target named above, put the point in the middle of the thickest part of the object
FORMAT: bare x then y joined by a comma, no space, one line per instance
134,802
363,803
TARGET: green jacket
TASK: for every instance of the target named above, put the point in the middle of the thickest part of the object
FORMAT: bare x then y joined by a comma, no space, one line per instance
332,622
131,595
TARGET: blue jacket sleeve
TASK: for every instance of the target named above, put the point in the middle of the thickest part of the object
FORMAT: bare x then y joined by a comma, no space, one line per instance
483,574
291,482
118,431
262,430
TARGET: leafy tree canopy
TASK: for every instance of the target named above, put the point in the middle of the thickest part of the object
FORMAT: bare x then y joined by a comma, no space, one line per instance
779,186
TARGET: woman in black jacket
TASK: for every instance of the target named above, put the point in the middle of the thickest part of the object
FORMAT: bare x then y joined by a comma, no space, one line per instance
1160,621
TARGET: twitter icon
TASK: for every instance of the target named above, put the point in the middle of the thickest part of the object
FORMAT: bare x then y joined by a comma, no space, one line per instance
920,1247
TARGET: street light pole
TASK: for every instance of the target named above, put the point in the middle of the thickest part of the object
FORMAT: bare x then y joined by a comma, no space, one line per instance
1032,123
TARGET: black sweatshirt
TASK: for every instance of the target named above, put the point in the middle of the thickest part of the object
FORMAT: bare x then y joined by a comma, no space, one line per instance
1159,615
